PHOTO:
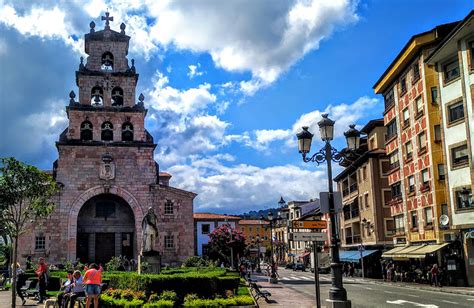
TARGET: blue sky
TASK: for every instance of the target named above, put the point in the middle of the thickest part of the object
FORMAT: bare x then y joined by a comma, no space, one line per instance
227,83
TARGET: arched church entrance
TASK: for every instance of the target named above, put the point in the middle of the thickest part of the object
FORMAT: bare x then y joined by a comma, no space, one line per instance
105,228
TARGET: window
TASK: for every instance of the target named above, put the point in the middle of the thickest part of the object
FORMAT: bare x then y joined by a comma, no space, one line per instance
107,131
364,173
127,131
387,195
250,229
97,96
393,158
419,106
396,190
409,149
169,242
169,207
434,95
403,85
86,131
388,98
441,172
40,243
416,72
471,49
206,228
390,227
372,143
399,223
414,219
455,112
291,216
205,249
117,97
406,117
107,62
366,198
391,129
428,212
460,156
385,167
437,133
425,176
411,183
104,209
421,141
451,71
464,205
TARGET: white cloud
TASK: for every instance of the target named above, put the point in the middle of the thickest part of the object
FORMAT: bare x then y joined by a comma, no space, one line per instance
343,114
187,102
238,188
194,71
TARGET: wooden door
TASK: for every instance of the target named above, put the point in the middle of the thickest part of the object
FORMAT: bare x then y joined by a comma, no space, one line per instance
104,247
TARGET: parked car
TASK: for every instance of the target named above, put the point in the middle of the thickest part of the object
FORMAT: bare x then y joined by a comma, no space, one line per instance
299,267
322,270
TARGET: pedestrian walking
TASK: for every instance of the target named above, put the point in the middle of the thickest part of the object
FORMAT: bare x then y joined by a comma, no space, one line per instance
20,282
351,269
434,275
345,269
42,273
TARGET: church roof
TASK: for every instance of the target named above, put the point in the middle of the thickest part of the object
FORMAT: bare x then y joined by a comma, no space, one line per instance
214,216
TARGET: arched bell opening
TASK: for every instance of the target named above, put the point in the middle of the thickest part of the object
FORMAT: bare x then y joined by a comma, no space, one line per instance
86,131
107,62
97,96
117,97
107,131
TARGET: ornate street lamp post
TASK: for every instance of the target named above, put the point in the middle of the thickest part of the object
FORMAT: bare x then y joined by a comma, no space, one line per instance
328,154
257,239
272,221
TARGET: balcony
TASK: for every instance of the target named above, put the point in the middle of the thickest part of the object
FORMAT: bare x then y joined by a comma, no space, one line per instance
394,166
345,192
353,188
354,239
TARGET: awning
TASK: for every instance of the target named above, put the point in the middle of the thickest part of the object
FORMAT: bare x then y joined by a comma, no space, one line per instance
415,252
422,252
354,255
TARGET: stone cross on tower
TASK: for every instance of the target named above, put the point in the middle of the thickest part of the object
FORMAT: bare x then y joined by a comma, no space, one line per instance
107,19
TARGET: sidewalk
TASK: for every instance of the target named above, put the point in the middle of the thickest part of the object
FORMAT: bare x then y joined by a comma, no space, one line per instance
281,295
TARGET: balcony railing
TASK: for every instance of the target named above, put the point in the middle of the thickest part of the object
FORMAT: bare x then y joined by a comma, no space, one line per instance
345,191
394,166
353,187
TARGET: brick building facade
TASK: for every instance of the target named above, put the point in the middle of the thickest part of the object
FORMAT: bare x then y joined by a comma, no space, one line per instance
106,170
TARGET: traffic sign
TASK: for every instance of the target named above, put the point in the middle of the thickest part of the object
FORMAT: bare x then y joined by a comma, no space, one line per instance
309,236
310,224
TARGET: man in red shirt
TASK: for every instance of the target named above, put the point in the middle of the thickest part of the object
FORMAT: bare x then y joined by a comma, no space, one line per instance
42,273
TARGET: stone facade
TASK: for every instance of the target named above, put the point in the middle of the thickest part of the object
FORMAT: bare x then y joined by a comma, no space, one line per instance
114,170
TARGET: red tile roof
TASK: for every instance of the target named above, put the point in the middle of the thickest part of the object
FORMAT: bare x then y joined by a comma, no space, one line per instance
214,216
252,222
165,174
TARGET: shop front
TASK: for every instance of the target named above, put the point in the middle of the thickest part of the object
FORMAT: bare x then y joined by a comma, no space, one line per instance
468,252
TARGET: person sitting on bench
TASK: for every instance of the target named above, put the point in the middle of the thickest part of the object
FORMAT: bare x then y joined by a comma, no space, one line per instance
65,288
76,291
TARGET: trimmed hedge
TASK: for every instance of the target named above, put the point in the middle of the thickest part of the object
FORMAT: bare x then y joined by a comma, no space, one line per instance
203,283
160,304
110,302
241,300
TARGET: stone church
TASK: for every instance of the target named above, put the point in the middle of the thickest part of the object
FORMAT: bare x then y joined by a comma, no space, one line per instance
105,169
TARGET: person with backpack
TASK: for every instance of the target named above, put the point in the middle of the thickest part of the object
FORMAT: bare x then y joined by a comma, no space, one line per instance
42,273
92,281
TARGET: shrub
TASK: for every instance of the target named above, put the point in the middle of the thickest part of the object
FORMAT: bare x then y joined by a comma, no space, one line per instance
190,297
242,300
159,304
168,295
113,264
195,262
108,301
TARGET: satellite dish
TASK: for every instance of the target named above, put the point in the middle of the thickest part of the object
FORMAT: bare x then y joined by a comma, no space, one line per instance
444,220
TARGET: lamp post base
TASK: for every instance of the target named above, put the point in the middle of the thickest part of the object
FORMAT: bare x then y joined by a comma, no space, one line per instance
338,304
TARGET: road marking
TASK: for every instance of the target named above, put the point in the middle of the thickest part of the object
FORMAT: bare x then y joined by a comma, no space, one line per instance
305,278
389,292
412,295
401,302
449,302
471,299
367,288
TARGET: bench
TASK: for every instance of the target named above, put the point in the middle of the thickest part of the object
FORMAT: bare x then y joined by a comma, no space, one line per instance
81,301
259,293
30,289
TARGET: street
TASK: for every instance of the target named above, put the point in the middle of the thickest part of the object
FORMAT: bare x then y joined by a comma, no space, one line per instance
369,294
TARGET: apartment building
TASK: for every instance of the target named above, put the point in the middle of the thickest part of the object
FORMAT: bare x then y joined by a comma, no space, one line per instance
255,230
205,224
453,60
414,146
365,221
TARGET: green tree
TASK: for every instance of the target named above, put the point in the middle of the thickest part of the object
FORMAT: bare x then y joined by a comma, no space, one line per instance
224,240
25,196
